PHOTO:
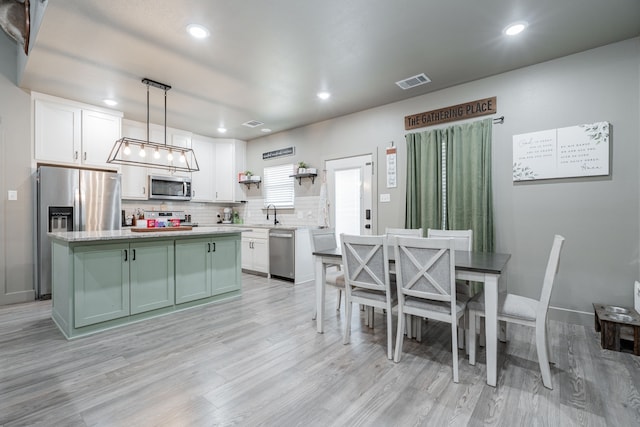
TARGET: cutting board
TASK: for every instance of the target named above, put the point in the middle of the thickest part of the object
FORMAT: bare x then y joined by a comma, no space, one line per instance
161,229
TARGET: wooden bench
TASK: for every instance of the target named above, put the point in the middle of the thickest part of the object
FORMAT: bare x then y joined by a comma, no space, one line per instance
615,324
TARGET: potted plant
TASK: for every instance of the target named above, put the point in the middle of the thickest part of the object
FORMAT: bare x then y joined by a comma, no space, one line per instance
302,167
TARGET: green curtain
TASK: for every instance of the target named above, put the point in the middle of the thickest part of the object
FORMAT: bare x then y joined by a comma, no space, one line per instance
469,194
424,178
469,201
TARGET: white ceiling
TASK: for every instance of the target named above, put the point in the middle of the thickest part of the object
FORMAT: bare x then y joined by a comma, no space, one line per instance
265,60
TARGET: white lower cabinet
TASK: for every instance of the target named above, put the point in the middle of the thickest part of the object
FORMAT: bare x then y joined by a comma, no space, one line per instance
255,251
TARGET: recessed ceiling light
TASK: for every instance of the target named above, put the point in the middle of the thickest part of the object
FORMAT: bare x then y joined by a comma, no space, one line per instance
110,102
197,31
265,130
324,95
515,28
222,130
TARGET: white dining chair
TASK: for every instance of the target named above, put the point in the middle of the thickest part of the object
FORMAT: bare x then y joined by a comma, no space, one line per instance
324,239
391,234
524,311
462,241
365,262
425,274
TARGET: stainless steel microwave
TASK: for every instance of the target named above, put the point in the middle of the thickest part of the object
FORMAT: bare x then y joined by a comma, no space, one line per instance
169,187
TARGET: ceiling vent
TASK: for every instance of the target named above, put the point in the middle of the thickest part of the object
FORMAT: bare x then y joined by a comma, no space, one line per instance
414,81
252,124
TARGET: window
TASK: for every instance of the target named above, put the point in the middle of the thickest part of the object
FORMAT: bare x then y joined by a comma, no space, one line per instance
278,186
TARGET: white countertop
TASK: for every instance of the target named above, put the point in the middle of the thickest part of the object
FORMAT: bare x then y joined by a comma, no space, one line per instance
267,226
127,234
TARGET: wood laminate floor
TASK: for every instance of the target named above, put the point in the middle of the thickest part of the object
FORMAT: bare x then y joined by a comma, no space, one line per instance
258,360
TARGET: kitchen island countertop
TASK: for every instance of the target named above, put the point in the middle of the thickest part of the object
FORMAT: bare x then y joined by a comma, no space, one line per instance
127,234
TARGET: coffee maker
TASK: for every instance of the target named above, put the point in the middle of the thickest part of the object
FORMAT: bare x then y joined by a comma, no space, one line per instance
227,217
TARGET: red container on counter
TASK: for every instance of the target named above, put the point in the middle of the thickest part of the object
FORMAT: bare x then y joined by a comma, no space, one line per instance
151,223
175,222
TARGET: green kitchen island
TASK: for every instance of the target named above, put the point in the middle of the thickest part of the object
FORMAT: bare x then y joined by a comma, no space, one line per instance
104,279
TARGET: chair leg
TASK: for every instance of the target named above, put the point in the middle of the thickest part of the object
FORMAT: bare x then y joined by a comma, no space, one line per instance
418,327
549,353
347,325
400,335
472,337
389,334
370,313
315,314
543,359
409,325
454,349
339,297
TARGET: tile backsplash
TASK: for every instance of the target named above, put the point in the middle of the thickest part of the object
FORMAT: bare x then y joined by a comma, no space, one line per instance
305,213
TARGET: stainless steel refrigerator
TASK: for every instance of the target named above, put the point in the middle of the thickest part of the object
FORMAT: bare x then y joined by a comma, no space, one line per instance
72,200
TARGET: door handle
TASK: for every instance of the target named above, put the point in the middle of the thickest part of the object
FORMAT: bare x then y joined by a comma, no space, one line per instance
75,156
85,155
367,214
125,255
214,246
134,255
209,247
367,226
144,191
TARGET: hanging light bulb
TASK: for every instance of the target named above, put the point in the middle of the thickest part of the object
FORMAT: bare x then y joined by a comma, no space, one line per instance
170,155
156,153
127,149
142,153
182,158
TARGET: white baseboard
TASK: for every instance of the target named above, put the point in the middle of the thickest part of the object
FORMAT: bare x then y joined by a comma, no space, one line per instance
571,316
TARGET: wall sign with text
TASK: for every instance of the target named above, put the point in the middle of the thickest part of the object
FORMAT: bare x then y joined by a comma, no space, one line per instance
479,107
573,151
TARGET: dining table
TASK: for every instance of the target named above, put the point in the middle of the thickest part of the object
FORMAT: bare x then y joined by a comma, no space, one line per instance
488,268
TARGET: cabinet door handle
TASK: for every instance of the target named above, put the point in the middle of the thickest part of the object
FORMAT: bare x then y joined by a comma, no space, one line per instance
214,246
125,255
144,190
75,156
209,247
134,255
85,155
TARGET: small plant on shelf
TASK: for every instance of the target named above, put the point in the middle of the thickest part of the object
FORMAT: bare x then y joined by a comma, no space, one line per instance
302,167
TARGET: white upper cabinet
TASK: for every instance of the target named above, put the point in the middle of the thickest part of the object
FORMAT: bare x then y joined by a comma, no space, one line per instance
220,160
99,133
68,132
134,178
202,188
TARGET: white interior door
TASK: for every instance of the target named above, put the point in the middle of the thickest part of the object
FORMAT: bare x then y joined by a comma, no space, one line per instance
349,188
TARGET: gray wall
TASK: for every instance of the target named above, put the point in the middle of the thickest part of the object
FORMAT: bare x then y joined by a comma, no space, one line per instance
598,216
16,221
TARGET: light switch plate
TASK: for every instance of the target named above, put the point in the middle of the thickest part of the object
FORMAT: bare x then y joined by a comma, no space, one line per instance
636,296
12,195
385,198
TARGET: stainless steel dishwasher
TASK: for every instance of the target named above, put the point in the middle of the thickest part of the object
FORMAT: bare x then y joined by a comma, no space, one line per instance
282,250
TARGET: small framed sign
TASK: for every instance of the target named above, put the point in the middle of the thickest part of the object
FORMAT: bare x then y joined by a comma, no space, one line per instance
289,151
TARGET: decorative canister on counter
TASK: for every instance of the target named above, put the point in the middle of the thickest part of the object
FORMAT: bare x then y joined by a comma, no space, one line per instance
151,223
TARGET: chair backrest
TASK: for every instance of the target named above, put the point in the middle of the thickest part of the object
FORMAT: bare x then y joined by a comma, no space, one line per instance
365,262
417,232
463,239
425,268
323,239
549,276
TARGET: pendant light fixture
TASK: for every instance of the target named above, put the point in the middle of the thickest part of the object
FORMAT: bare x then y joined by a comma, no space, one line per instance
133,152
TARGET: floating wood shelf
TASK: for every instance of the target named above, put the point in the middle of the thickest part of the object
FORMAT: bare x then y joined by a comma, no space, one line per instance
304,175
248,183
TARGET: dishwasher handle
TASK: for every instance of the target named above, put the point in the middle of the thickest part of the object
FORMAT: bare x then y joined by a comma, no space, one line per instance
285,235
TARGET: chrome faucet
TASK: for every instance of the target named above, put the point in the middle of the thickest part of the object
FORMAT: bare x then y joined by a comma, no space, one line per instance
275,214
